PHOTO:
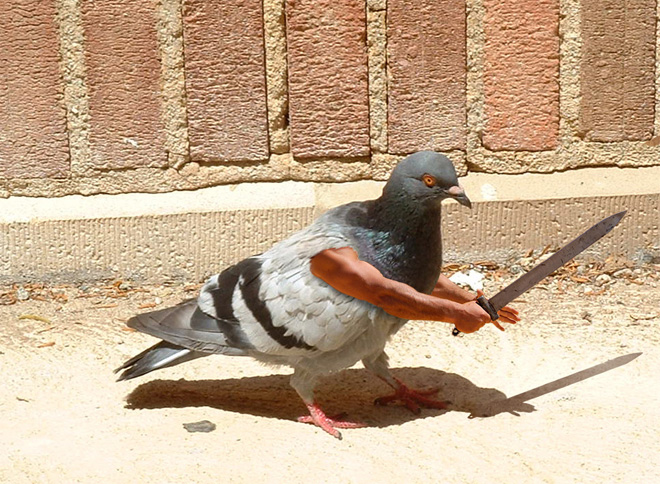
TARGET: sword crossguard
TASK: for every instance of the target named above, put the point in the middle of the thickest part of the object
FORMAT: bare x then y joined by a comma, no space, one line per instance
488,307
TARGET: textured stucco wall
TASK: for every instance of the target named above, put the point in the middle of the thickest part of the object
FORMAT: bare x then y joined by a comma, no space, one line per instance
192,246
188,235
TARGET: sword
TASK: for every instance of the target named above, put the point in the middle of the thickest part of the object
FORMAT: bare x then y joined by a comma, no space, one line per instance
547,267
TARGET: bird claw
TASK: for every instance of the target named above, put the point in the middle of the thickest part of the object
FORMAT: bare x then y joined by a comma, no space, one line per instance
413,399
329,424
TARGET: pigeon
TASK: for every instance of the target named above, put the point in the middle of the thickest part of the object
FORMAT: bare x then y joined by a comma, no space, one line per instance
276,308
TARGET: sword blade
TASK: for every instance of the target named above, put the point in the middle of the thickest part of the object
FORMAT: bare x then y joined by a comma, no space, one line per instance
555,261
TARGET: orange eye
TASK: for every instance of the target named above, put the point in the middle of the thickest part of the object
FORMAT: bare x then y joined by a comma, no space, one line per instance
429,181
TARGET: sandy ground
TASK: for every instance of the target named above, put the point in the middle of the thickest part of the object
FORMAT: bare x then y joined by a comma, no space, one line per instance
571,394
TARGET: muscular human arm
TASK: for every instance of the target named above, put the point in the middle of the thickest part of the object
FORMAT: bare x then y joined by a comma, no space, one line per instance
446,289
343,270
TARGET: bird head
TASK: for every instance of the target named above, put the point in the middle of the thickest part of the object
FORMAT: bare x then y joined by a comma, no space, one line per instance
425,177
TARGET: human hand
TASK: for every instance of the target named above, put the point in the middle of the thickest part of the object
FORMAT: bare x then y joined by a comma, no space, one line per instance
470,317
507,314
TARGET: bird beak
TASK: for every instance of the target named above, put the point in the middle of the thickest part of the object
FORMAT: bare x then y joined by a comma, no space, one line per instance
458,194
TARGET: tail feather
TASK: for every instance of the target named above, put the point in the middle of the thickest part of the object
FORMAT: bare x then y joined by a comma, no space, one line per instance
187,326
188,334
161,355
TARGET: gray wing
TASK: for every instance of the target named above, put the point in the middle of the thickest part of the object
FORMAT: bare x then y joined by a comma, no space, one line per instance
270,304
235,295
283,309
319,315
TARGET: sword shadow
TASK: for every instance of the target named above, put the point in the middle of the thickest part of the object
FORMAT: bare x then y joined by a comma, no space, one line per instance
511,404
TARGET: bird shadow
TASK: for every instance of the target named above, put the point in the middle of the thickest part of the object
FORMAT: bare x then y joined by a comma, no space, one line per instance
350,391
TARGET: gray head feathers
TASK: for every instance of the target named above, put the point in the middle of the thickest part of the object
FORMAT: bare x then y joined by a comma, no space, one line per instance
425,177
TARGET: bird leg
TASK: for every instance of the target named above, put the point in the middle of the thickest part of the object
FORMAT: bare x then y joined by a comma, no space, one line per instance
329,424
411,399
303,382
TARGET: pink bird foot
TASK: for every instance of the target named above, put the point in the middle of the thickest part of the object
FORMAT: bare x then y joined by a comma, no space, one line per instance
329,424
413,399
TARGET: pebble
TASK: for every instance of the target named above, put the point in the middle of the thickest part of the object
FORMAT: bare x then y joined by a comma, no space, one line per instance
516,269
603,279
22,294
623,273
201,426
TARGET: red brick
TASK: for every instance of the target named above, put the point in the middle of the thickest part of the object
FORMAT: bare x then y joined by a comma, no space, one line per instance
123,79
427,64
328,78
33,136
226,80
521,74
617,80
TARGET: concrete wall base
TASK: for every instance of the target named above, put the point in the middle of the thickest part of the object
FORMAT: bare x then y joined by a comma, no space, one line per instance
190,235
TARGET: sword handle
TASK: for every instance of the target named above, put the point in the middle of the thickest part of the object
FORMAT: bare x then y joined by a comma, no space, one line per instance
486,306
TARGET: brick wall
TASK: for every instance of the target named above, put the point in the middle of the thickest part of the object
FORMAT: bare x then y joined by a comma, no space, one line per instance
144,95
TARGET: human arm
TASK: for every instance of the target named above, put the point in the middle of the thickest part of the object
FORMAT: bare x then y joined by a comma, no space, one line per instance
343,270
446,289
